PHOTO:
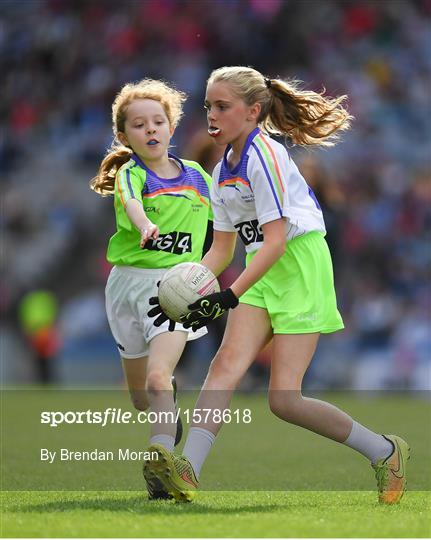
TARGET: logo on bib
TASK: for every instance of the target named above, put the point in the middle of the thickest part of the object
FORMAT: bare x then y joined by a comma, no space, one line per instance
250,231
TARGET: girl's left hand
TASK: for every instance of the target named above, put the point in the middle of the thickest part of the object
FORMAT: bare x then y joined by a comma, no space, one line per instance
149,231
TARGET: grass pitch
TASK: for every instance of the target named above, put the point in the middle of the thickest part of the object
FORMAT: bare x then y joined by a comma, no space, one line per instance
284,481
214,514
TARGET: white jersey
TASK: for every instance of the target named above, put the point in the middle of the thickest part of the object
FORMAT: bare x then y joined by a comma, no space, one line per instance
265,185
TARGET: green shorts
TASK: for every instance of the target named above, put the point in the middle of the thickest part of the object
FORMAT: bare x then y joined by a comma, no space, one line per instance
298,291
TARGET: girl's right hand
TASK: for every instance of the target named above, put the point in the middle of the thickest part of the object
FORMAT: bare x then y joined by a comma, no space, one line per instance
159,313
148,231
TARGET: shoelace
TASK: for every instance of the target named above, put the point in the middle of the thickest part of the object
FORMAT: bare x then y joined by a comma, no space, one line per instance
182,465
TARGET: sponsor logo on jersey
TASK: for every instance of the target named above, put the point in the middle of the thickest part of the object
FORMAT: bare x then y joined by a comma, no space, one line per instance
174,242
250,231
154,209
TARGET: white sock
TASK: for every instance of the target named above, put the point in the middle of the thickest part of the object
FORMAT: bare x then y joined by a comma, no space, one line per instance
197,447
165,440
370,444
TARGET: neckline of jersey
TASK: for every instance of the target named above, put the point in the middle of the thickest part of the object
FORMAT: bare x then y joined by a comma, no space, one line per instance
139,162
247,144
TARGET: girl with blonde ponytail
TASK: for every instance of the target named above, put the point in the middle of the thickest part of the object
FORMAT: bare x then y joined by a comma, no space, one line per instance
306,117
162,210
286,292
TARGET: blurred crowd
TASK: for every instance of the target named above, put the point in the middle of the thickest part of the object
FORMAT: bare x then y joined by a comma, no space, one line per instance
62,62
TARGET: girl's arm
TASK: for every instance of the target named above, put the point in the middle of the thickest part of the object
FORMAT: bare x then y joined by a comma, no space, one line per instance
137,216
212,306
274,245
221,252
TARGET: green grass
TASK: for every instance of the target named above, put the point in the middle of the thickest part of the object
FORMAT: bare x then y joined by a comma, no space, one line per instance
284,481
214,514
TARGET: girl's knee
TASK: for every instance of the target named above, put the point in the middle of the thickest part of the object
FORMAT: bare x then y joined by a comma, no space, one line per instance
158,381
285,404
223,368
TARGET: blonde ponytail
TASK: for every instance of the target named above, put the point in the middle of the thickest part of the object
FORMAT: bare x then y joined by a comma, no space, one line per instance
103,183
306,117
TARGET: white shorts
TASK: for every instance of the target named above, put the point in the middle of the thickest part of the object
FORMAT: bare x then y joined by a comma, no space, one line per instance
127,293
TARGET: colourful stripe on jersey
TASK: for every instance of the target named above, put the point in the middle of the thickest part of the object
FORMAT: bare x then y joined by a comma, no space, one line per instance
190,178
181,191
278,198
273,162
124,185
270,165
231,182
120,191
132,195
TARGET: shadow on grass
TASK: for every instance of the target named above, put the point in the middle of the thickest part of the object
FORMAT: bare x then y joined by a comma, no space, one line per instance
138,505
226,504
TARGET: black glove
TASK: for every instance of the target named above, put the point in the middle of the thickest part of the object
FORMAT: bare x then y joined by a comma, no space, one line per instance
208,308
162,317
